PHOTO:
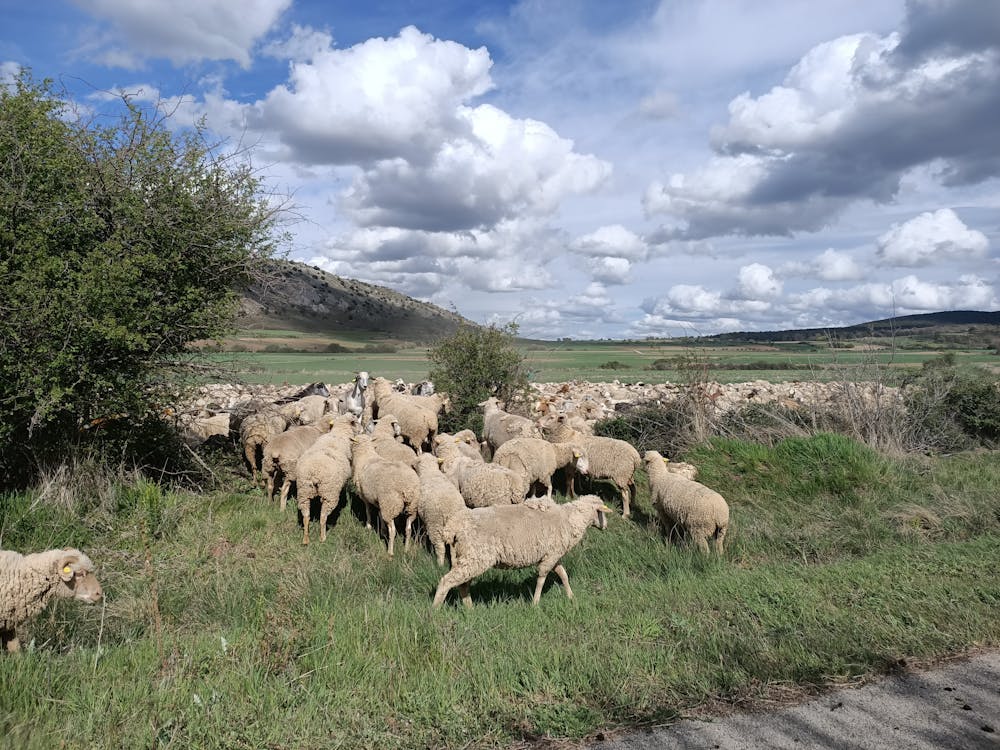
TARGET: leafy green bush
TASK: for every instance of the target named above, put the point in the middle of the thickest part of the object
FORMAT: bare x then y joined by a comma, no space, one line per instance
120,243
473,364
614,364
953,408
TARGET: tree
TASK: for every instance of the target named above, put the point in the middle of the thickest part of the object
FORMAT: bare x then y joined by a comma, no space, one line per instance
120,243
473,364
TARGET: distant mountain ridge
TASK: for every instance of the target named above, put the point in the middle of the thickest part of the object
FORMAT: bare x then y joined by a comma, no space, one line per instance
305,298
921,325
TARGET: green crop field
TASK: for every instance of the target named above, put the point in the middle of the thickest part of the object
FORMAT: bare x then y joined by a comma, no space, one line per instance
565,362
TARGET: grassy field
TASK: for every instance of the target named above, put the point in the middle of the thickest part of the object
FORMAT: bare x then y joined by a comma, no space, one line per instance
221,631
564,362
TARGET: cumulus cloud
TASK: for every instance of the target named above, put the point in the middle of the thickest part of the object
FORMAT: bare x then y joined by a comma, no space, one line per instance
902,296
609,270
303,45
614,241
182,31
849,120
757,281
830,265
932,237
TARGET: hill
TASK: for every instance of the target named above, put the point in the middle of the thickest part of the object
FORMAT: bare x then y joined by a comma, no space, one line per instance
971,328
306,299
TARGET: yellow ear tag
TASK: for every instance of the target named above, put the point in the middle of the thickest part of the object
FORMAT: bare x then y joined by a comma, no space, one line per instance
575,454
67,569
666,460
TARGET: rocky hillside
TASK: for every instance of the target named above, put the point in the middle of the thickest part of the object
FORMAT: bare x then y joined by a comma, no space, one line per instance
304,298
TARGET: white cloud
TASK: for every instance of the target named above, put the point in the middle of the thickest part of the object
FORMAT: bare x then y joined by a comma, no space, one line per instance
303,45
9,71
931,237
609,270
660,105
830,265
848,122
181,31
902,296
614,241
756,282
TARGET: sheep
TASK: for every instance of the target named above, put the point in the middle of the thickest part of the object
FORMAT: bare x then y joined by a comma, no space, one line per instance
255,430
423,388
499,426
417,424
307,410
517,536
537,459
440,500
464,440
481,484
28,582
682,503
281,455
610,458
322,471
354,400
385,437
435,402
391,486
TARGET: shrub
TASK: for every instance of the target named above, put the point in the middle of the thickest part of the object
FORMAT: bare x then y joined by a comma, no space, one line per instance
122,243
953,409
473,364
335,348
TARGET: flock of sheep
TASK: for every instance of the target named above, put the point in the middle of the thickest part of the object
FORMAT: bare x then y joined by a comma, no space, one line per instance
489,501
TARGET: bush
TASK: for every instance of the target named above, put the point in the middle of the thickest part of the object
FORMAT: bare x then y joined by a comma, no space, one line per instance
122,243
473,364
953,409
334,348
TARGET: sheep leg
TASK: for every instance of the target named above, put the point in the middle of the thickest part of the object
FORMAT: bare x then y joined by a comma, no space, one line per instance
8,640
325,509
570,481
460,575
269,487
286,487
626,507
702,543
720,536
409,530
561,572
304,510
368,514
391,524
548,487
439,551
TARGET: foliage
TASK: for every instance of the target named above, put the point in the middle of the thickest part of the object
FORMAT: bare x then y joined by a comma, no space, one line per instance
954,408
614,364
120,243
473,364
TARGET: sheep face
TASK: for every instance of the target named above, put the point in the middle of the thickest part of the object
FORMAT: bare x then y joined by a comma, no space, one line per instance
77,579
600,510
362,380
580,461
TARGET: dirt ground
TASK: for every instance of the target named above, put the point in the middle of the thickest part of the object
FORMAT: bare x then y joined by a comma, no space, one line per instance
950,706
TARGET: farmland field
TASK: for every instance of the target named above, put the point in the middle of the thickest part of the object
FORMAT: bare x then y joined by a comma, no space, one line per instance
564,362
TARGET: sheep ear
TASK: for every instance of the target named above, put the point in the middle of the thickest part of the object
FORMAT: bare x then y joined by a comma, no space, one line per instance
606,509
66,571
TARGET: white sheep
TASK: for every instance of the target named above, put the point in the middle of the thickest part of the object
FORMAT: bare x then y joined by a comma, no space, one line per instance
500,426
537,460
686,505
255,430
481,484
306,410
440,500
385,434
517,536
29,582
322,471
391,486
281,455
465,441
610,458
417,424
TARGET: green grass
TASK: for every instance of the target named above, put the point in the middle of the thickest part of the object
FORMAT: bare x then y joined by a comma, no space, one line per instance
840,562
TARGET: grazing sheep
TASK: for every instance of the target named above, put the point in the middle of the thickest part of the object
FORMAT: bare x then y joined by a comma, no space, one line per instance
28,582
435,402
517,536
385,434
684,504
417,424
499,426
464,441
322,471
255,430
440,500
480,483
281,455
537,460
391,486
610,458
307,410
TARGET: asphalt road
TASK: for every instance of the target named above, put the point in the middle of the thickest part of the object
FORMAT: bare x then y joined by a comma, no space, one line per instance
955,706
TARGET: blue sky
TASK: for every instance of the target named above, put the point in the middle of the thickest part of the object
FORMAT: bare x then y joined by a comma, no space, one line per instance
591,169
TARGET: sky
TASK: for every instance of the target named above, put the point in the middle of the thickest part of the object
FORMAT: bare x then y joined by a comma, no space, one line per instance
588,169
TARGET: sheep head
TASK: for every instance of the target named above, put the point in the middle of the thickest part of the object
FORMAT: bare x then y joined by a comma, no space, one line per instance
76,574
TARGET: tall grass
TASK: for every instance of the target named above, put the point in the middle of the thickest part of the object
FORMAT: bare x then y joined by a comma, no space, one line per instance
221,631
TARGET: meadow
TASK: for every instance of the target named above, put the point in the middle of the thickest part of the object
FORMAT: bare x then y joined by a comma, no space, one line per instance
592,362
221,631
